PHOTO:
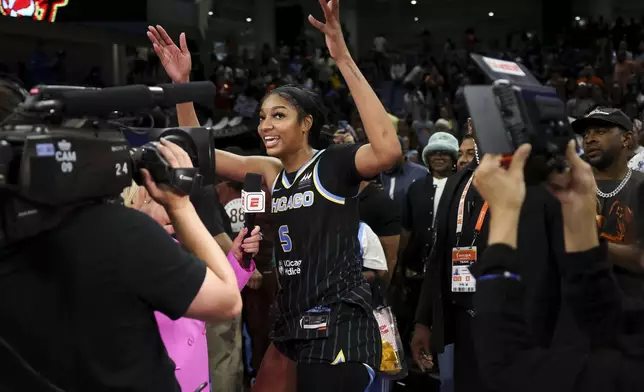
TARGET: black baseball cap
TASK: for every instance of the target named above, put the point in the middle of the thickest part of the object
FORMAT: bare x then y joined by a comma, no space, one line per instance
603,116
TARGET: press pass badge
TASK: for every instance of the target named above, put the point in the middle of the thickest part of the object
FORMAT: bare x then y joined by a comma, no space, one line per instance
464,257
462,279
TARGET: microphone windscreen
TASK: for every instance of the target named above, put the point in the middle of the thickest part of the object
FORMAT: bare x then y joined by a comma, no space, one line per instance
253,182
200,92
83,103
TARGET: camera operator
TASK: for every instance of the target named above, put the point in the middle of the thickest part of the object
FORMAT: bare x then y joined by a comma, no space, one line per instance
83,296
507,357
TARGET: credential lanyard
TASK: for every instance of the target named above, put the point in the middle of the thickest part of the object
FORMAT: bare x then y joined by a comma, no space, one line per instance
461,214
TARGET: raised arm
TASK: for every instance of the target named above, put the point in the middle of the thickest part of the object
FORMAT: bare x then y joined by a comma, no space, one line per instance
383,150
177,63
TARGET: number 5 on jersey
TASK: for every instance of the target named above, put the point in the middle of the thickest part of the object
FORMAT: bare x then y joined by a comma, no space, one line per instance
285,240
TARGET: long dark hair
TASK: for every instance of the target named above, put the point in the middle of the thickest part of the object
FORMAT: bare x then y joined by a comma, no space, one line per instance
307,103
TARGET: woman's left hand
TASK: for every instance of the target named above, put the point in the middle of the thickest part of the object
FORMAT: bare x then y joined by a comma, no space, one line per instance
248,245
332,29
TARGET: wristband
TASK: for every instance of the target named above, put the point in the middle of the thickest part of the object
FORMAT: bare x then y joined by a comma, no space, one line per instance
242,275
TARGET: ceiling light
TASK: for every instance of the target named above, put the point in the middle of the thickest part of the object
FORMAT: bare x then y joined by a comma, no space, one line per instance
490,14
577,18
249,20
211,13
413,2
416,19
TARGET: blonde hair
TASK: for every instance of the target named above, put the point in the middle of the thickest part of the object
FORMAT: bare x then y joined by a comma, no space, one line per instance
129,194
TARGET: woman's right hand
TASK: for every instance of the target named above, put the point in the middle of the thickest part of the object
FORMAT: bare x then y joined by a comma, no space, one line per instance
170,199
176,61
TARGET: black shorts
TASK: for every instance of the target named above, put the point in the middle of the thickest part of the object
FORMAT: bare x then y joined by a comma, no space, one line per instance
353,337
323,377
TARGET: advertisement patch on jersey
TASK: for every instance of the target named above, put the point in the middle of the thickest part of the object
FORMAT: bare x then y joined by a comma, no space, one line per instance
315,321
253,202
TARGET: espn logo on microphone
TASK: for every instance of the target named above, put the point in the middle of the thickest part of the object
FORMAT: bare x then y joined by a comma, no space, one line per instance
253,202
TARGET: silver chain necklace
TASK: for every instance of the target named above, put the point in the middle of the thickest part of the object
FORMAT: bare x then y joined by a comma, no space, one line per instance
619,187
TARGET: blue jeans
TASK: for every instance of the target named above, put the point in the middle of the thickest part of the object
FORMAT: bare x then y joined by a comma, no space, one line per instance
446,364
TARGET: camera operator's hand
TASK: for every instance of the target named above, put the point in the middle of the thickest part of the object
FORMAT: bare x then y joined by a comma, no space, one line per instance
503,189
164,195
176,61
576,190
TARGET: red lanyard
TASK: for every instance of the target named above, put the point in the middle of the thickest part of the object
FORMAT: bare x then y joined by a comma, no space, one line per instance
461,213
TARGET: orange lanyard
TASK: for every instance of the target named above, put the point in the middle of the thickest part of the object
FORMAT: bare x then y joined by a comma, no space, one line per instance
461,214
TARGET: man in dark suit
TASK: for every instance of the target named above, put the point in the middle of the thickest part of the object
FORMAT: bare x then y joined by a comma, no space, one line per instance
445,313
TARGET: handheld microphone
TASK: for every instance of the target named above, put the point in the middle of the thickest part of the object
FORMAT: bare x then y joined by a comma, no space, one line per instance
253,202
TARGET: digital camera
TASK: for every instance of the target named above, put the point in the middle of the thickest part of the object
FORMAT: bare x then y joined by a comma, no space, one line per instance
515,109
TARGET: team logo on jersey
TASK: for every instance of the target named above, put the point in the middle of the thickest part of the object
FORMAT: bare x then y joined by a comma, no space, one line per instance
306,180
293,202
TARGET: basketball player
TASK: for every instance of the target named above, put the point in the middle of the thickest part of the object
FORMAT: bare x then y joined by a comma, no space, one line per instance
325,322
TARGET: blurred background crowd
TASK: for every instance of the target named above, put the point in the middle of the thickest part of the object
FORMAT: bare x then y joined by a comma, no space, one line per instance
594,63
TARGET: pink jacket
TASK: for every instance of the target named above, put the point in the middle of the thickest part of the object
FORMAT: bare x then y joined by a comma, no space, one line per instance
185,339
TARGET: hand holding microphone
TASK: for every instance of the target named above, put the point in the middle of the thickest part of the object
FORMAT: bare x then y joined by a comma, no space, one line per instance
246,244
253,202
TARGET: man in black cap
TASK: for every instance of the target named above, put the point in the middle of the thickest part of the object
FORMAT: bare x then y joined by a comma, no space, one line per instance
607,134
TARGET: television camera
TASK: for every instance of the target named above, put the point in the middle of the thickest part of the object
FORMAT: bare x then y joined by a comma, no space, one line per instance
64,148
516,109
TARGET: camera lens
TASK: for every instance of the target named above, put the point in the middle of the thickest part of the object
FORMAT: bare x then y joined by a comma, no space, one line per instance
185,145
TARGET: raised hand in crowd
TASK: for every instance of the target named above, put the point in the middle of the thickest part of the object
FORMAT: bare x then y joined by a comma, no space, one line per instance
176,60
177,63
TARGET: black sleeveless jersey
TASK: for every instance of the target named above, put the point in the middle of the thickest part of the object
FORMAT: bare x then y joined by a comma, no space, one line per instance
317,250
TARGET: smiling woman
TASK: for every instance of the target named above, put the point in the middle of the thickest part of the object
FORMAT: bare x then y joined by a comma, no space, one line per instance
324,297
286,109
